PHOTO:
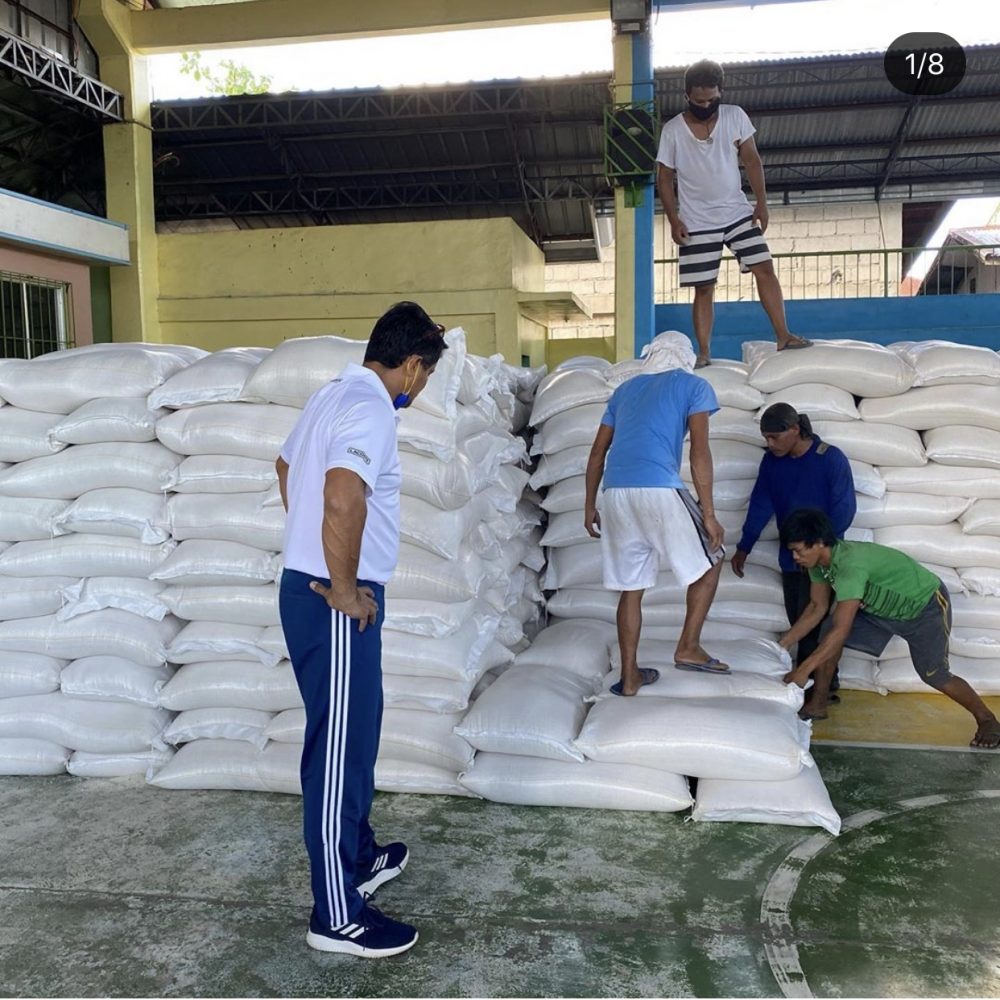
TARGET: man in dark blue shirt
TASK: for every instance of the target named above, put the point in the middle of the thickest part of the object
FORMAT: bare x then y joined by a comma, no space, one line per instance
798,470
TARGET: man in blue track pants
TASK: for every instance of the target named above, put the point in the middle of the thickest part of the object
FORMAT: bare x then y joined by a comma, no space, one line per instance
340,477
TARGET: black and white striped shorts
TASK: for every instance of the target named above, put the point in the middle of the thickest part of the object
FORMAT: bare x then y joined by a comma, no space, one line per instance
701,255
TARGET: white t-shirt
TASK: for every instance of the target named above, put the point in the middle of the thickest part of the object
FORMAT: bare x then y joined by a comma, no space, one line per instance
709,190
349,423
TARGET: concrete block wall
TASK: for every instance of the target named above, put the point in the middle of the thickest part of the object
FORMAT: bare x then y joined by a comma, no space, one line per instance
844,227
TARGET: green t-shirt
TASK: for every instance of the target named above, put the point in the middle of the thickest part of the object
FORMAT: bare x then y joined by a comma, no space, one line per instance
888,583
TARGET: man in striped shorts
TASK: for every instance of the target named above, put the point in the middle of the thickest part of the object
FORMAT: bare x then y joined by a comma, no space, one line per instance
340,478
702,150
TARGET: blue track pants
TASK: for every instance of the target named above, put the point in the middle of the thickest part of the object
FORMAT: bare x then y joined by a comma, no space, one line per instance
339,672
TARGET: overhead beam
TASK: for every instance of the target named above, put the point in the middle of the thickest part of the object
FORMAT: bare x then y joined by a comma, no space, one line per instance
278,22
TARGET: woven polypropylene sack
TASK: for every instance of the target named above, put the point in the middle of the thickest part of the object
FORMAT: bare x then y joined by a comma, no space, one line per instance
116,765
120,512
940,362
860,368
86,467
217,378
31,758
569,429
564,390
28,673
100,633
424,738
95,726
867,479
740,739
884,445
61,381
108,420
244,429
800,801
113,678
899,676
427,694
206,642
222,474
95,593
27,519
228,517
964,446
816,400
530,712
240,605
204,563
762,657
24,434
938,406
458,656
84,555
732,387
674,683
31,597
232,684
296,368
212,764
407,777
534,781
942,543
246,724
896,509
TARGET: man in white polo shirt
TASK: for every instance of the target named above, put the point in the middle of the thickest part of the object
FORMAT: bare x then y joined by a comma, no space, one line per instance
340,477
702,148
648,521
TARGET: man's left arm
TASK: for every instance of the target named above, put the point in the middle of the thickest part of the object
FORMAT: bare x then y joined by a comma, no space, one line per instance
750,159
281,467
831,646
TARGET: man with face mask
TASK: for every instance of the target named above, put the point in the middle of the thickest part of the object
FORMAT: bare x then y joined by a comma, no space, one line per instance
340,477
798,470
702,150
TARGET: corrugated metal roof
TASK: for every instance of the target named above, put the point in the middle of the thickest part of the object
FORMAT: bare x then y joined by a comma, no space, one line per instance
829,127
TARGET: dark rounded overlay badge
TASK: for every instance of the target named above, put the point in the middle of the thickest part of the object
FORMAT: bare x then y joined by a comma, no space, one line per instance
925,63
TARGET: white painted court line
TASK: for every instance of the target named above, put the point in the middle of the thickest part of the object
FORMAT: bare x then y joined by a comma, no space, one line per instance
776,903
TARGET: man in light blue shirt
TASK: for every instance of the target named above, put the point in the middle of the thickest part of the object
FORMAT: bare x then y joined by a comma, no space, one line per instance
648,517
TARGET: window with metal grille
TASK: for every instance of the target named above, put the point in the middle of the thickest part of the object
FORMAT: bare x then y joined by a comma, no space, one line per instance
35,316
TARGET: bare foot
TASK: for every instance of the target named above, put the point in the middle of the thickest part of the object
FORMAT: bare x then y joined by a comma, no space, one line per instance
987,735
702,361
645,675
691,654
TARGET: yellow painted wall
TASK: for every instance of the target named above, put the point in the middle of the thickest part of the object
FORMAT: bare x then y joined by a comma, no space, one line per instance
259,287
565,348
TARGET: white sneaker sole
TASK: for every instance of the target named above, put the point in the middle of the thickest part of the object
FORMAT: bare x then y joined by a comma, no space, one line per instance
322,943
367,889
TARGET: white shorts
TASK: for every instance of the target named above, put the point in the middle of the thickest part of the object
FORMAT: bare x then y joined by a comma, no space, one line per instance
646,529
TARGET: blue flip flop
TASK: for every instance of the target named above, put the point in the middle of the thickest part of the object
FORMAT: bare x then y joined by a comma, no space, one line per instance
648,675
710,666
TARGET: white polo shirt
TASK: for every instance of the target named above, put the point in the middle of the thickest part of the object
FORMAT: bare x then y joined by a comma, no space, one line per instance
709,186
349,423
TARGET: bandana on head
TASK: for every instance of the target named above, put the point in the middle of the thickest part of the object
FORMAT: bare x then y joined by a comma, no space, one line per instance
668,350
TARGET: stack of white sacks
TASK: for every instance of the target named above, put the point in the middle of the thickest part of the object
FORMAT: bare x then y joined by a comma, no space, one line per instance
83,525
927,415
540,742
465,588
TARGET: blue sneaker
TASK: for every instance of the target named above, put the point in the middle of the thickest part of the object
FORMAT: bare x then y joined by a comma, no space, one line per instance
389,862
372,935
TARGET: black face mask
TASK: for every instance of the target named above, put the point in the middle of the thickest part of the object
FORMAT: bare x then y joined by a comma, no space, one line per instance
703,114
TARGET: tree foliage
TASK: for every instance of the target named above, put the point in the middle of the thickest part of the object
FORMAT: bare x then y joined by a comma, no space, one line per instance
233,79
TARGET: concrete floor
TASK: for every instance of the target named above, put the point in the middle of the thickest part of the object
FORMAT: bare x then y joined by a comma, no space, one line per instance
110,888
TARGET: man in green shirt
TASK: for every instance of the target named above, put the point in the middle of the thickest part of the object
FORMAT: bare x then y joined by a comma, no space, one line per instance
880,592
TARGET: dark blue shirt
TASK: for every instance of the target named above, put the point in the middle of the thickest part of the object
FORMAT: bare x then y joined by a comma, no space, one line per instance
819,478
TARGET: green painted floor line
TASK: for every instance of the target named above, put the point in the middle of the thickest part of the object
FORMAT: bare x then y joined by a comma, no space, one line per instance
116,889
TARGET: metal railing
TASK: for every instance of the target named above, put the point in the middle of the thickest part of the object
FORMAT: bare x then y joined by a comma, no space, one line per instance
850,274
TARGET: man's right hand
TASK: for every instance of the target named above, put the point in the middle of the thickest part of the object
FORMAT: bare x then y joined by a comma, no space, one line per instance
679,233
738,562
716,533
359,605
592,522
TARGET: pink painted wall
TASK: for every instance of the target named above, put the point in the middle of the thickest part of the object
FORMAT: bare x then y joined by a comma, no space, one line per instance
38,265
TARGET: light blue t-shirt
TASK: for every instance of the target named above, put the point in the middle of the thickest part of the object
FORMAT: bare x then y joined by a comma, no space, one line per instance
649,414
